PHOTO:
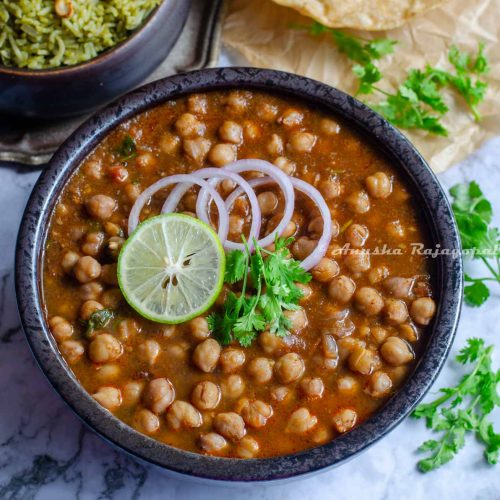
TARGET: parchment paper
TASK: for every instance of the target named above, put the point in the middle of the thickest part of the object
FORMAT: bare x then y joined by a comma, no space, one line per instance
260,31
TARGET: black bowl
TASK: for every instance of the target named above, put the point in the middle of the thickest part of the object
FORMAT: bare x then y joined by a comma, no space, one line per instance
435,210
75,90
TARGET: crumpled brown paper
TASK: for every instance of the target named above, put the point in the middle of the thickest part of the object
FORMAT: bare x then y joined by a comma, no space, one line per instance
260,31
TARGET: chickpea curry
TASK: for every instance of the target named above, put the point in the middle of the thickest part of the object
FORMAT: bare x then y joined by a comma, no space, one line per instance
348,331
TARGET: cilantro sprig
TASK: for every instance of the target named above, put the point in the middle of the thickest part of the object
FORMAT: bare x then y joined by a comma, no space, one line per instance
98,319
473,213
463,410
268,289
418,102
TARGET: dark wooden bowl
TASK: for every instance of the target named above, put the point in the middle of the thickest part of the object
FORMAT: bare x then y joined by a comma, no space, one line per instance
435,211
75,90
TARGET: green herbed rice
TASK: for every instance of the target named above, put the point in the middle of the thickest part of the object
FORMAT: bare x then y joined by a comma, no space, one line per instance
33,36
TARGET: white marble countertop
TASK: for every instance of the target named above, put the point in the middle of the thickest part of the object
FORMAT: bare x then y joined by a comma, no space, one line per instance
47,453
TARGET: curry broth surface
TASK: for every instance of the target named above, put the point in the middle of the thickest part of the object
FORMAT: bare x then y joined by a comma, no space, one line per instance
344,155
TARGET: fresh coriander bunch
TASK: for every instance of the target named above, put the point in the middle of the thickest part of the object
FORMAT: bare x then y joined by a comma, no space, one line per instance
268,289
463,410
473,213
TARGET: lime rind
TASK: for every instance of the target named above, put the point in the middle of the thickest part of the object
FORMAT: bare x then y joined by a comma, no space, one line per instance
171,269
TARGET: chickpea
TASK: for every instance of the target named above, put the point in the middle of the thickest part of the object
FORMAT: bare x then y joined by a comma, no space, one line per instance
206,355
275,145
298,319
92,244
312,387
237,102
114,245
87,269
400,288
329,127
289,368
379,384
379,185
396,351
363,360
178,350
268,112
199,328
72,350
108,372
206,395
169,143
222,154
306,292
285,165
378,334
330,188
291,118
395,311
300,422
132,191
251,131
90,291
197,103
231,132
270,343
268,202
358,202
368,301
356,235
148,351
93,170
321,435
290,229
236,224
341,289
212,443
301,142
232,387
90,307
146,421
232,359
347,345
132,391
105,348
255,413
230,425
196,149
408,332
159,395
101,207
378,274
315,227
61,329
345,419
145,161
109,397
280,393
183,415
329,346
112,298
357,262
347,385
247,447
127,329
302,247
261,369
69,261
188,126
325,270
422,310
109,274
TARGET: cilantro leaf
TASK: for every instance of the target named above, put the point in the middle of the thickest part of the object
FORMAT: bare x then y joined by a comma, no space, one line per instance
236,266
127,149
476,294
98,319
463,410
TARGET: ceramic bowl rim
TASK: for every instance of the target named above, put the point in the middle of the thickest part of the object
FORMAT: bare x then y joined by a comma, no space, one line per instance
441,226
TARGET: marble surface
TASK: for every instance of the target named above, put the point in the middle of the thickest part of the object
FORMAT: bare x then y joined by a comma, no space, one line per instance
46,452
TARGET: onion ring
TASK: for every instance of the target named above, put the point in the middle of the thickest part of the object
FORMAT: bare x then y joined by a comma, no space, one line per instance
311,192
133,219
201,204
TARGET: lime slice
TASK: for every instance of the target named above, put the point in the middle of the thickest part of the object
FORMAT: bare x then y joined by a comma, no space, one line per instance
171,269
